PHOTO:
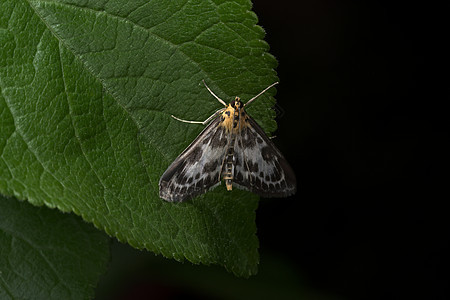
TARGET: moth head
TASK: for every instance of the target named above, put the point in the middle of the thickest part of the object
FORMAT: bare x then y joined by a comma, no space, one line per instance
236,103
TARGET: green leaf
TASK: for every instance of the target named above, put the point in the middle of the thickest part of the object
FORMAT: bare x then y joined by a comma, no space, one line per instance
87,90
48,255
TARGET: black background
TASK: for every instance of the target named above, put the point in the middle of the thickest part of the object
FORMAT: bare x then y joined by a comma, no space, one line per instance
364,89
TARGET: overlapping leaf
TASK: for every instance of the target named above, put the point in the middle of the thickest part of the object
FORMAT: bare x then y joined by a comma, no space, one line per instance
48,255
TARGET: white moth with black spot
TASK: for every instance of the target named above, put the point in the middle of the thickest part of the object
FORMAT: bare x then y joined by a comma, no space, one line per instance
232,148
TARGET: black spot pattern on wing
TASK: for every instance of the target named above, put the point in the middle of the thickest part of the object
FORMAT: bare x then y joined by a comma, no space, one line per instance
195,155
210,166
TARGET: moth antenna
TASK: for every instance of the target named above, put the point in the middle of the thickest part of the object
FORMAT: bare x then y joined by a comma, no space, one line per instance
215,96
262,92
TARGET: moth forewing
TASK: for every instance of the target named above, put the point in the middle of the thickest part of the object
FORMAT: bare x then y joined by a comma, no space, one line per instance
232,148
197,168
260,166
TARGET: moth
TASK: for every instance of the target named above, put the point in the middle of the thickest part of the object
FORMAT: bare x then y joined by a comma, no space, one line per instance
232,148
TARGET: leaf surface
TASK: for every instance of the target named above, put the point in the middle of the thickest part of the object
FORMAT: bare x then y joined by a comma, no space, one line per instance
48,255
87,90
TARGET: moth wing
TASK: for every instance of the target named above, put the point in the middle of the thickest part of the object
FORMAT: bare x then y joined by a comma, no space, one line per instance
260,167
198,168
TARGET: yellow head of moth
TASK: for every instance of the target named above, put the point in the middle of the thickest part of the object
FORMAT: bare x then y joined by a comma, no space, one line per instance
234,117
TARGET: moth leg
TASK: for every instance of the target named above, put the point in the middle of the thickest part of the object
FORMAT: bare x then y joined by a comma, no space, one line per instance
200,122
220,100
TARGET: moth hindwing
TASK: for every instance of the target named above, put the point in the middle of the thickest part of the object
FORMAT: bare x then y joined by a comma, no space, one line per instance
232,148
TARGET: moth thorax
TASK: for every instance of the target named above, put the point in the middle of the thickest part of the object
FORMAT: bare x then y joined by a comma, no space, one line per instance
234,117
